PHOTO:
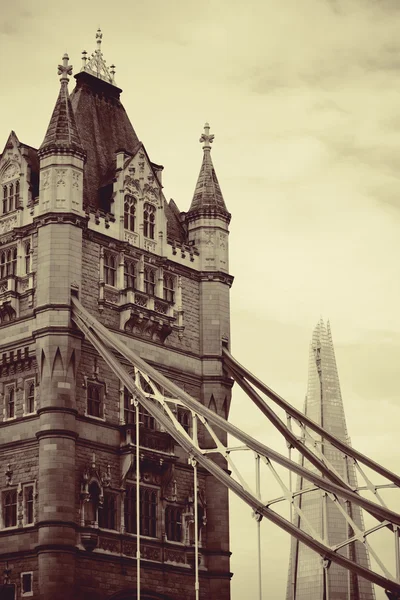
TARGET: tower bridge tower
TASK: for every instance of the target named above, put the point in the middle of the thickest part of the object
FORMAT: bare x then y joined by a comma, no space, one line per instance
86,214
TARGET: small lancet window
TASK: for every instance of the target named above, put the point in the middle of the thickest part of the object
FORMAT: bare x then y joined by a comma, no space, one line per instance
110,269
10,508
173,523
30,397
17,194
129,274
129,213
27,258
3,268
5,190
94,400
168,288
108,512
10,403
149,281
10,198
149,219
28,504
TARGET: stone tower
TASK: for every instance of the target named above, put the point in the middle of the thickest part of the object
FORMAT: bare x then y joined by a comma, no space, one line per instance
308,579
86,215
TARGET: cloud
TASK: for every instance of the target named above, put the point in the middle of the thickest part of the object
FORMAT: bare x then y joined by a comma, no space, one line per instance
14,18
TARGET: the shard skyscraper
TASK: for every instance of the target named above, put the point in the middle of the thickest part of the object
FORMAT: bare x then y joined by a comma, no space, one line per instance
308,580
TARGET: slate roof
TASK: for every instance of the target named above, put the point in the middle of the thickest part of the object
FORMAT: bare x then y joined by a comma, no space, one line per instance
104,128
207,196
62,132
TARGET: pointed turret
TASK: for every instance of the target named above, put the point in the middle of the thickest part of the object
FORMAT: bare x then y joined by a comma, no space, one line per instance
208,199
62,132
208,218
62,155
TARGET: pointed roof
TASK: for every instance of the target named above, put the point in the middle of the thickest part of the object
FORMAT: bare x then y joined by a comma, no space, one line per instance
103,124
62,132
207,198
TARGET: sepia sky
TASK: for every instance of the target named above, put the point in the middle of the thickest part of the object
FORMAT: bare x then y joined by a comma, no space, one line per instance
304,101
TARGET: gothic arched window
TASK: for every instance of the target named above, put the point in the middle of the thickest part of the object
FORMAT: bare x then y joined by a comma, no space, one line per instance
168,288
129,212
10,508
173,523
14,261
10,407
28,502
94,400
30,397
148,510
27,258
110,269
5,193
108,512
10,197
129,274
149,219
149,281
16,194
3,268
129,408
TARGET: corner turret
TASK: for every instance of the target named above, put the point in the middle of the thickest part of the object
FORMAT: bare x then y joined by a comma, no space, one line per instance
61,155
208,218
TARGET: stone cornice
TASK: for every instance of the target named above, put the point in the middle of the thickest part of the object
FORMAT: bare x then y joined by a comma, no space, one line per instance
58,218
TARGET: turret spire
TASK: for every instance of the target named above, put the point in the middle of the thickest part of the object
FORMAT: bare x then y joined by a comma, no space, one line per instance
62,132
207,196
96,65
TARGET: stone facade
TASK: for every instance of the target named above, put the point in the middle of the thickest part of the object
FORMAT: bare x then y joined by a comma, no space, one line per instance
98,226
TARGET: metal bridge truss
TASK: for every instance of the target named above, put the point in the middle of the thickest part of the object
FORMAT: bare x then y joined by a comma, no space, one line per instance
159,396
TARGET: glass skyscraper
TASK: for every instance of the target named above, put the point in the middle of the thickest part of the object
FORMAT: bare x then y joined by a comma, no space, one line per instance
308,580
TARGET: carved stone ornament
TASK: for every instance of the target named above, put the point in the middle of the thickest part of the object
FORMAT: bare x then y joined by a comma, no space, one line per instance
11,172
149,327
7,224
60,177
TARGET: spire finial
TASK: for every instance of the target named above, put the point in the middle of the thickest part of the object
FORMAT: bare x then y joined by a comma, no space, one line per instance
99,37
96,65
65,69
206,138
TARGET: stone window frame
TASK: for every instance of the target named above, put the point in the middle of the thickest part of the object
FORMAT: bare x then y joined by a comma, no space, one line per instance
184,417
25,488
116,497
102,386
149,220
110,268
29,593
10,196
169,287
149,280
27,385
4,493
8,261
174,507
8,387
130,273
130,203
144,488
27,247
